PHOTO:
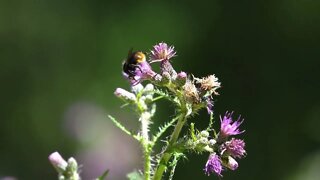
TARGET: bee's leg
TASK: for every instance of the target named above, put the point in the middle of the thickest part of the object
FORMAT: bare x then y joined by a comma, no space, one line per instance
131,73
135,81
153,77
136,66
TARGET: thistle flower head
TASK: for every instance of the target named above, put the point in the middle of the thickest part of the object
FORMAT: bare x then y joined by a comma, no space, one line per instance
213,165
191,92
209,83
228,127
136,73
235,147
162,52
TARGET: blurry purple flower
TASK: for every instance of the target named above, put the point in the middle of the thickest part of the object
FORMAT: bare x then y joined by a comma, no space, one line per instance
8,178
228,127
235,147
213,165
161,52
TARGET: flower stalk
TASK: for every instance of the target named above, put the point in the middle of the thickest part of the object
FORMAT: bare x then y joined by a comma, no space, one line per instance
145,121
163,163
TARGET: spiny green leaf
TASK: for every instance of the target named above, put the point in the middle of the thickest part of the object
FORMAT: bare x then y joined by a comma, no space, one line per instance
163,129
163,94
157,98
120,126
174,162
124,105
104,175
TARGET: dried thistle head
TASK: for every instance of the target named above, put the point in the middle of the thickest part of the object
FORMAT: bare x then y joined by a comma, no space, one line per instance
209,83
191,92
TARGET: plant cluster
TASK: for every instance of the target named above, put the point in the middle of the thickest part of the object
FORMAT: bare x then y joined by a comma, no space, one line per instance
188,94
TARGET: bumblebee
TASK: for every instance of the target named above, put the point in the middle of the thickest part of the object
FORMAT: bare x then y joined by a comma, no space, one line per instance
132,63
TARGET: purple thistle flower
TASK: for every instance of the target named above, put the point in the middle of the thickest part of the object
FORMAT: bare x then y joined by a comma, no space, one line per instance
213,165
161,52
228,127
235,147
142,71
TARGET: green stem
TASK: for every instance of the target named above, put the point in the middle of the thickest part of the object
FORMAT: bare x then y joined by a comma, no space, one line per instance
147,162
167,154
145,121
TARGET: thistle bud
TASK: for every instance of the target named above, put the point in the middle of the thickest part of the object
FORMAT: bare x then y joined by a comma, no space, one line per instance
166,78
181,79
204,134
137,88
212,142
58,162
149,88
231,163
72,164
125,95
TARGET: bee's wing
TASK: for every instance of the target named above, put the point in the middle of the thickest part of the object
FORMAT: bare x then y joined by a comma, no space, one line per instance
130,52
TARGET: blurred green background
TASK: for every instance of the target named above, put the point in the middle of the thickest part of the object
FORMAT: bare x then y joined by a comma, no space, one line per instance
61,61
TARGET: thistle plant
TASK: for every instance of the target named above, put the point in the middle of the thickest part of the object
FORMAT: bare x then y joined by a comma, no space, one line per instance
188,94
